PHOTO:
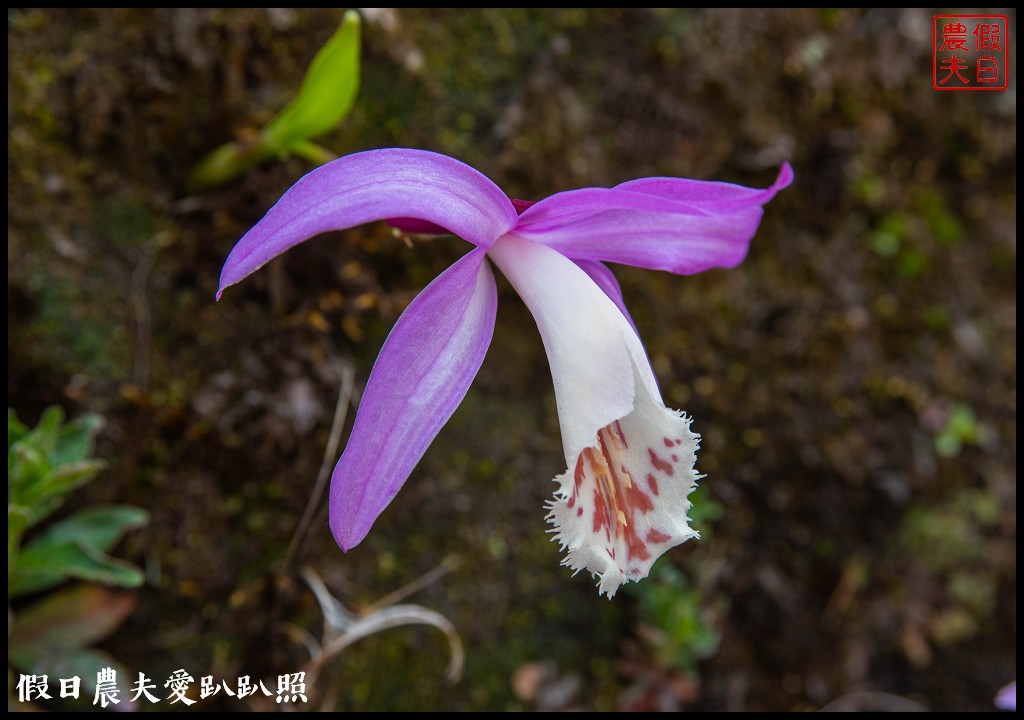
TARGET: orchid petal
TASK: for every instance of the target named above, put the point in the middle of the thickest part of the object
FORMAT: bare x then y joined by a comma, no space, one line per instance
591,348
680,243
423,372
375,185
715,196
605,279
622,502
562,207
683,226
1006,698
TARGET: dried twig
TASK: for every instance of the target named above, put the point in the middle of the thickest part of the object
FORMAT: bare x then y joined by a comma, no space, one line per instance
342,627
346,375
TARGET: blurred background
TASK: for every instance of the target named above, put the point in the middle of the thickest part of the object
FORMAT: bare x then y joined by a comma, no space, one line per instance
854,380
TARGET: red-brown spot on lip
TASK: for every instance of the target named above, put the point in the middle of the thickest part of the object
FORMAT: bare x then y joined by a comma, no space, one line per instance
652,483
636,549
618,501
580,473
655,536
668,442
638,499
600,511
675,458
660,464
621,435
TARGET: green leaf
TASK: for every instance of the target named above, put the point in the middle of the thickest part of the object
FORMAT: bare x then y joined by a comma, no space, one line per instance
15,432
46,494
50,460
17,523
229,161
75,440
67,619
44,435
26,466
98,528
324,99
67,477
313,152
42,565
327,91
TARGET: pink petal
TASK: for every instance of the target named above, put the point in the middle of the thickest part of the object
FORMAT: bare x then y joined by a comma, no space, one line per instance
423,372
715,196
375,185
1006,698
683,226
677,242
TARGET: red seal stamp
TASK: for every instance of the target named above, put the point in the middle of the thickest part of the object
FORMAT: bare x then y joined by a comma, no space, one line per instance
969,52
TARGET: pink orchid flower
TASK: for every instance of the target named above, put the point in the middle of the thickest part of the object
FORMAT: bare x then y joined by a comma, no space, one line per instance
622,501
